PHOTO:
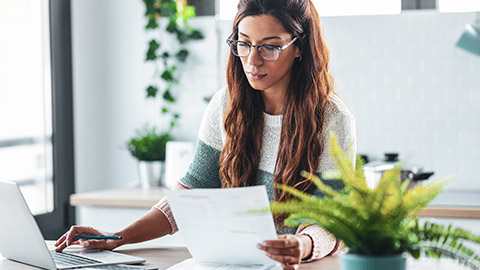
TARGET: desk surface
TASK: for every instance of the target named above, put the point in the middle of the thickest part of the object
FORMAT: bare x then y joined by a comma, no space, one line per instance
163,258
447,205
166,257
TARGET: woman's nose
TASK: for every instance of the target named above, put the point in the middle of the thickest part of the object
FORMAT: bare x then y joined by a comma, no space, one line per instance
255,58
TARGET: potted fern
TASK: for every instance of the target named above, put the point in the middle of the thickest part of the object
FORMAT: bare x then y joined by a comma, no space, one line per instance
378,226
149,148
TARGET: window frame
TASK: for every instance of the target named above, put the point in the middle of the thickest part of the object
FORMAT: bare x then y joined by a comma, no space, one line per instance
55,223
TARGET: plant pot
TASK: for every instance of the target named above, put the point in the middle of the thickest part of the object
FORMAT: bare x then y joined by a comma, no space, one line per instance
150,173
362,262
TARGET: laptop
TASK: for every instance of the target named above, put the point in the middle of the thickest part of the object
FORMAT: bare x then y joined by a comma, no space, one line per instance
22,241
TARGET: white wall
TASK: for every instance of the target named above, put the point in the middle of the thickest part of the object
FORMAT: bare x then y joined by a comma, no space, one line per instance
110,76
410,89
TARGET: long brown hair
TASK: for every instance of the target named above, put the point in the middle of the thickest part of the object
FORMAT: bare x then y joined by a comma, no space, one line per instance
301,140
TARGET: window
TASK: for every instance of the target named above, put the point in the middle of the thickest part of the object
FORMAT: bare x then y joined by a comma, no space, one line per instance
25,114
418,4
458,5
36,131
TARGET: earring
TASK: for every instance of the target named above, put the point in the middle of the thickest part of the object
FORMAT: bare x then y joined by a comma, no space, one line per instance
299,58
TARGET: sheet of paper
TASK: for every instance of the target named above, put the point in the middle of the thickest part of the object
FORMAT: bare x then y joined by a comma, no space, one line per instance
216,228
191,264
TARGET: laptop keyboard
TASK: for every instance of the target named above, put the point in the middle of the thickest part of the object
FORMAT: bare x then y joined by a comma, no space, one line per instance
67,259
121,267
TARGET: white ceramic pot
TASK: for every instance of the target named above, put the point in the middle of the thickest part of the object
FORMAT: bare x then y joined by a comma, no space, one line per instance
151,173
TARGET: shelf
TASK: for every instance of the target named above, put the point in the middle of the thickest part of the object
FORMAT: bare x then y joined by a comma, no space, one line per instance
132,197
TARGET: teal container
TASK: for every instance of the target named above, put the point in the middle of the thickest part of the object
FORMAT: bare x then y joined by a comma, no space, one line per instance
362,262
470,39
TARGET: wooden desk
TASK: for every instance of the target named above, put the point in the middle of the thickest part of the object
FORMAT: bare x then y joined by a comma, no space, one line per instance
163,258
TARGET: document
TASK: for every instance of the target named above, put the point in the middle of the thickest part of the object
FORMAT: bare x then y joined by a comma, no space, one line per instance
217,228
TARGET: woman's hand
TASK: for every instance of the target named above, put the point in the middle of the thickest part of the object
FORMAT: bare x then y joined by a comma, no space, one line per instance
288,249
67,239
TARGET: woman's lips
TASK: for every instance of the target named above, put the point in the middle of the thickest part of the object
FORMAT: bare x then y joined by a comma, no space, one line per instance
256,76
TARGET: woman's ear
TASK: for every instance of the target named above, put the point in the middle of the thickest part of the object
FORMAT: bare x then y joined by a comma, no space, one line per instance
298,52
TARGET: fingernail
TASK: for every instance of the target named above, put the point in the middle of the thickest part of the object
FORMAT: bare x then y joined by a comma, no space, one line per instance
85,244
68,243
259,246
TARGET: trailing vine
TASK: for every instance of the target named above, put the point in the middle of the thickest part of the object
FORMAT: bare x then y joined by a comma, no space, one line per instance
172,17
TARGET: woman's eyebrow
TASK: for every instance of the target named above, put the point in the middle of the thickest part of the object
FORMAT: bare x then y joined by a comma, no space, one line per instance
265,38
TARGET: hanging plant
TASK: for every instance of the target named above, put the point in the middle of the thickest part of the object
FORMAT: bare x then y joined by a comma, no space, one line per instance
171,17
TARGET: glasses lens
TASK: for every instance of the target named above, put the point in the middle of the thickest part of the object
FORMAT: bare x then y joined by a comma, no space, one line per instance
269,53
241,49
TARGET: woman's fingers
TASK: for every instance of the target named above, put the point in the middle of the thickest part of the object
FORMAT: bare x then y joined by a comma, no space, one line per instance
60,240
283,259
284,245
286,250
101,244
67,239
77,230
296,252
283,241
61,246
290,266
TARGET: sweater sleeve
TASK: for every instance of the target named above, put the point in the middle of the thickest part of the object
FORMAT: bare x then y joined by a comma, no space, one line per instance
323,243
203,172
164,207
343,125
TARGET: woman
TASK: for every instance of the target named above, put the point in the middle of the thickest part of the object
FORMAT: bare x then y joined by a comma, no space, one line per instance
268,125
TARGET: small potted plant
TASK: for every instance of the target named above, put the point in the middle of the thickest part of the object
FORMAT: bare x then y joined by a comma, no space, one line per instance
378,226
149,148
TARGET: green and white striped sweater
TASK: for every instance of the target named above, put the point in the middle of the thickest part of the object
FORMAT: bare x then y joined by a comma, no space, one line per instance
204,170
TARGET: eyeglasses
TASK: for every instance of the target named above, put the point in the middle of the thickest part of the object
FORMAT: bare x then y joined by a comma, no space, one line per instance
267,52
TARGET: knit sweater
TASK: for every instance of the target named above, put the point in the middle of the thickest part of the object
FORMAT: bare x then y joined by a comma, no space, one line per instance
204,170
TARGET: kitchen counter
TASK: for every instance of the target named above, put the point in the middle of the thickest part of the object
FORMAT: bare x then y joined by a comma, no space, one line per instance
449,204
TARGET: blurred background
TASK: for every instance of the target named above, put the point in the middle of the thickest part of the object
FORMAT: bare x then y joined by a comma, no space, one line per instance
73,76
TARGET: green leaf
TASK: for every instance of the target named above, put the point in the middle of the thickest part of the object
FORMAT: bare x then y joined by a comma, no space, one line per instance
153,46
164,110
168,96
176,115
188,12
168,8
172,26
196,35
182,55
182,36
172,124
149,5
152,91
152,23
167,75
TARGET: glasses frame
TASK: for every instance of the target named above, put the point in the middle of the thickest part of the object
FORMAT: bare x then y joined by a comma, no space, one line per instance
230,41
